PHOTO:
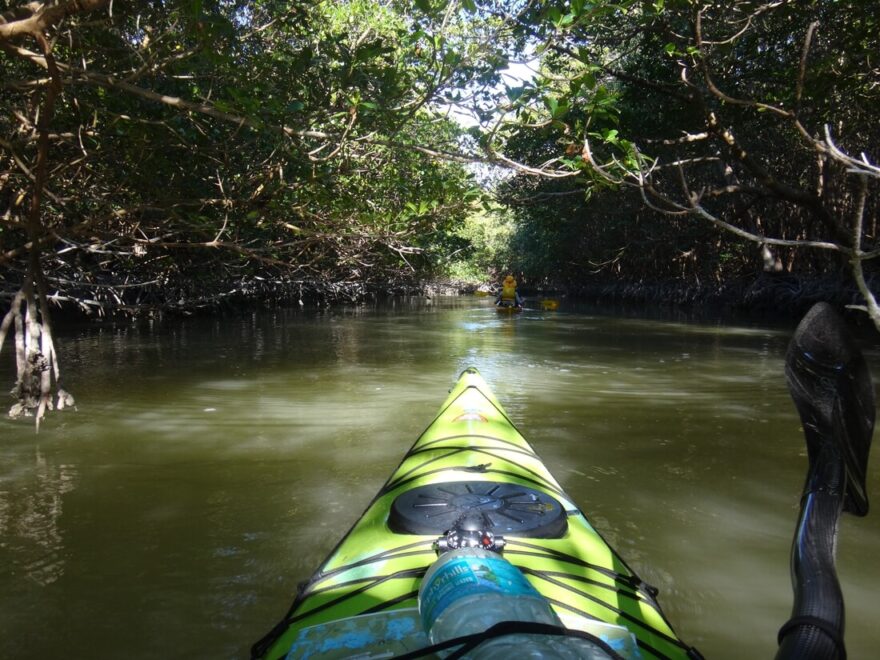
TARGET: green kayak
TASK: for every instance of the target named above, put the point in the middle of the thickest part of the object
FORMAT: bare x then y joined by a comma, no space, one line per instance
470,470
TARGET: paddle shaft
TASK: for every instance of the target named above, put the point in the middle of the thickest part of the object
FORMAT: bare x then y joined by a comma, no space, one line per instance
831,387
816,627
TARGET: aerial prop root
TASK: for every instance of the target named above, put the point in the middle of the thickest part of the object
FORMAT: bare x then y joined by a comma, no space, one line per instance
36,361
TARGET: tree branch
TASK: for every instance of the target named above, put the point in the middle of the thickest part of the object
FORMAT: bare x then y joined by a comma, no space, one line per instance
35,18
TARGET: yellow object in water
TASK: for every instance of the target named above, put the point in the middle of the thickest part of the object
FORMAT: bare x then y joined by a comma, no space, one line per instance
550,304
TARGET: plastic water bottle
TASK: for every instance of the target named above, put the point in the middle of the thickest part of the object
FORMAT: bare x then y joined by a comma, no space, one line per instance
469,590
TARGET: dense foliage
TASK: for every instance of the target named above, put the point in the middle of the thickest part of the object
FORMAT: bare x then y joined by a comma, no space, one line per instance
718,117
198,145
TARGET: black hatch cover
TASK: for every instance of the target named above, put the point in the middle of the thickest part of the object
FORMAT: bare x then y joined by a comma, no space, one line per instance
500,508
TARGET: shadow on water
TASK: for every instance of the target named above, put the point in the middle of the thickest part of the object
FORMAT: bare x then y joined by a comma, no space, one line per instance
214,462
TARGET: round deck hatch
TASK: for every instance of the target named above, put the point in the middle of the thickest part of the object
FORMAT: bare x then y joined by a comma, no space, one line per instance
507,509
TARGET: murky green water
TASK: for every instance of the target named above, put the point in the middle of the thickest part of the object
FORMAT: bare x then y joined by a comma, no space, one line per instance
213,463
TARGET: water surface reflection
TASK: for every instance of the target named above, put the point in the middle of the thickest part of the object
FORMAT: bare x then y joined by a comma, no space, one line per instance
214,462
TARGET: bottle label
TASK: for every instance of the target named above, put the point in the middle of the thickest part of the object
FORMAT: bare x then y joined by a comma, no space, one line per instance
462,577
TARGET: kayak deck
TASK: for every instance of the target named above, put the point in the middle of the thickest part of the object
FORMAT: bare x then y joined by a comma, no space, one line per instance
472,461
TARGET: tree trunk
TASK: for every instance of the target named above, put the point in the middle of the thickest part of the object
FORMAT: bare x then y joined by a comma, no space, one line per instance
36,361
37,372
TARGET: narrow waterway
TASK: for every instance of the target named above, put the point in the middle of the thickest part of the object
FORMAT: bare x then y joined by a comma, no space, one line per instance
212,463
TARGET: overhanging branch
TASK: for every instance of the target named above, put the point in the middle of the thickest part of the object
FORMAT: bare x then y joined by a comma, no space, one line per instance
35,18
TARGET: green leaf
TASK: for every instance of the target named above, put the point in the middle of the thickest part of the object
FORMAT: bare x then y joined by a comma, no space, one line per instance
589,79
514,93
560,111
451,58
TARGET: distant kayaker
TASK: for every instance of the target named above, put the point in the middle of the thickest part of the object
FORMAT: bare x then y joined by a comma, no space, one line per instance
509,296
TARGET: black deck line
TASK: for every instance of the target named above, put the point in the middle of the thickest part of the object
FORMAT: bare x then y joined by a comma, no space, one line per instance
428,445
630,580
466,468
599,601
408,573
391,603
379,556
552,576
642,644
488,451
308,592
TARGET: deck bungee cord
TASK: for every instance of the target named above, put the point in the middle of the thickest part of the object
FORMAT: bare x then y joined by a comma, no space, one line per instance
483,468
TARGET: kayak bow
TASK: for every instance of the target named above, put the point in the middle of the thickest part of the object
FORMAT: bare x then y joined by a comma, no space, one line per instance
472,468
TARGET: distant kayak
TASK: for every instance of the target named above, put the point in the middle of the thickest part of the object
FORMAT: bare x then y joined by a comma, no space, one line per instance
472,513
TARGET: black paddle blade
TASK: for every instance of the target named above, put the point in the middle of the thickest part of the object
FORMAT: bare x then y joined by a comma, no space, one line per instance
831,386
